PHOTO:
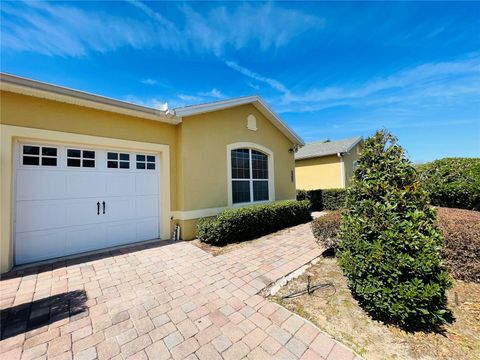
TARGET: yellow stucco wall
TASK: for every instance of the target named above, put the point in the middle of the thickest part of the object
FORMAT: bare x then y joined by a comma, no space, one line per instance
318,173
202,162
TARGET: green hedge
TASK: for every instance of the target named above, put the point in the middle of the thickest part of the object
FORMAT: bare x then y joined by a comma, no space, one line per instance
326,199
236,225
452,182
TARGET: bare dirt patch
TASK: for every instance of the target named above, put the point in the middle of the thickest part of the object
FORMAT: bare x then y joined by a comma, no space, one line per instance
335,311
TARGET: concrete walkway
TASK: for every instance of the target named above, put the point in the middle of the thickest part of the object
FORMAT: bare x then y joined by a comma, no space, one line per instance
163,300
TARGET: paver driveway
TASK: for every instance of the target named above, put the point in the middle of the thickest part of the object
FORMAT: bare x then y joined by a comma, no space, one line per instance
161,301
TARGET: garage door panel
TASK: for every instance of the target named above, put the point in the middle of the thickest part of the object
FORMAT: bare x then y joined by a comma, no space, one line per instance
146,206
147,229
120,233
39,185
82,212
39,245
120,183
81,184
119,208
40,215
146,183
83,239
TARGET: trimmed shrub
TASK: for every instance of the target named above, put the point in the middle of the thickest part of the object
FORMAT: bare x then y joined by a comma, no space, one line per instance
236,225
326,230
333,199
302,195
461,251
316,199
390,249
327,199
452,182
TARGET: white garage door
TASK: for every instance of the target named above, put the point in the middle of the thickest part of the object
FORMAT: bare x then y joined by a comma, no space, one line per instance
72,199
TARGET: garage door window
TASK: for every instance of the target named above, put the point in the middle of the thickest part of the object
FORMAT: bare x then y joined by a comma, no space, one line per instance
145,162
118,160
39,155
80,158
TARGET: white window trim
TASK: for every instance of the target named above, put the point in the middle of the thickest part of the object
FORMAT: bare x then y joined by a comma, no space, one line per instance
271,182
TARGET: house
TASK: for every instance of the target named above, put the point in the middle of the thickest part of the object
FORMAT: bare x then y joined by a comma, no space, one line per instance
81,172
327,164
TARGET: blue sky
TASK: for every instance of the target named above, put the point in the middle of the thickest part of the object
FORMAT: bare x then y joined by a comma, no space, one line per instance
330,70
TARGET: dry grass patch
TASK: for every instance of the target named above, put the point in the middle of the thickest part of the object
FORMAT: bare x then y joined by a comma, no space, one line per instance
337,313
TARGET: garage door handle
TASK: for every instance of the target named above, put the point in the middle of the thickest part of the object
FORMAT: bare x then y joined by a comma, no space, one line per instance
103,203
98,208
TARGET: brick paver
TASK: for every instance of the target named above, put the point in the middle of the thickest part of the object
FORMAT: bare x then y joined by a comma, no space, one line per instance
162,300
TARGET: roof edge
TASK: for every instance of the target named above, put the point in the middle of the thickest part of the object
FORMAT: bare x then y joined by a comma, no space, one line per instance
25,86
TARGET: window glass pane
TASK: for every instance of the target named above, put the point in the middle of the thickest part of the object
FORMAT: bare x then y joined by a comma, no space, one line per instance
140,165
46,161
240,164
48,151
30,160
73,153
73,162
151,166
124,165
112,156
112,164
259,165
89,154
240,191
151,158
124,157
88,163
31,150
140,157
260,190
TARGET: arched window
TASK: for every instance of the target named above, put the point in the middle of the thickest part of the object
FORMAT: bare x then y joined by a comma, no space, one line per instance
249,176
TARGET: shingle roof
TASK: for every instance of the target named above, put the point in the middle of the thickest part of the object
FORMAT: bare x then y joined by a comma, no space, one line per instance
326,147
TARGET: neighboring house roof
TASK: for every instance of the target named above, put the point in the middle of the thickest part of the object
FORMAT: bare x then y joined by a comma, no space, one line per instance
40,89
254,100
327,147
20,85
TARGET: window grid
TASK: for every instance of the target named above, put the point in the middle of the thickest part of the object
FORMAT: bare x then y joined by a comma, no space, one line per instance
117,160
254,177
145,162
80,158
37,155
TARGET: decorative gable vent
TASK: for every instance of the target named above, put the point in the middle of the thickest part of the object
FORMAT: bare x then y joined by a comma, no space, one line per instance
251,122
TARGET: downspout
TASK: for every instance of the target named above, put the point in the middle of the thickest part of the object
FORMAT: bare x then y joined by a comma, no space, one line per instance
342,169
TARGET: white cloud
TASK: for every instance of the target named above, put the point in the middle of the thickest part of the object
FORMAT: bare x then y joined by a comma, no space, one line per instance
214,93
151,103
275,84
149,81
189,98
64,30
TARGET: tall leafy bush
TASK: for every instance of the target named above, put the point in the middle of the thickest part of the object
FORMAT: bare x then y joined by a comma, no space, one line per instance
390,249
